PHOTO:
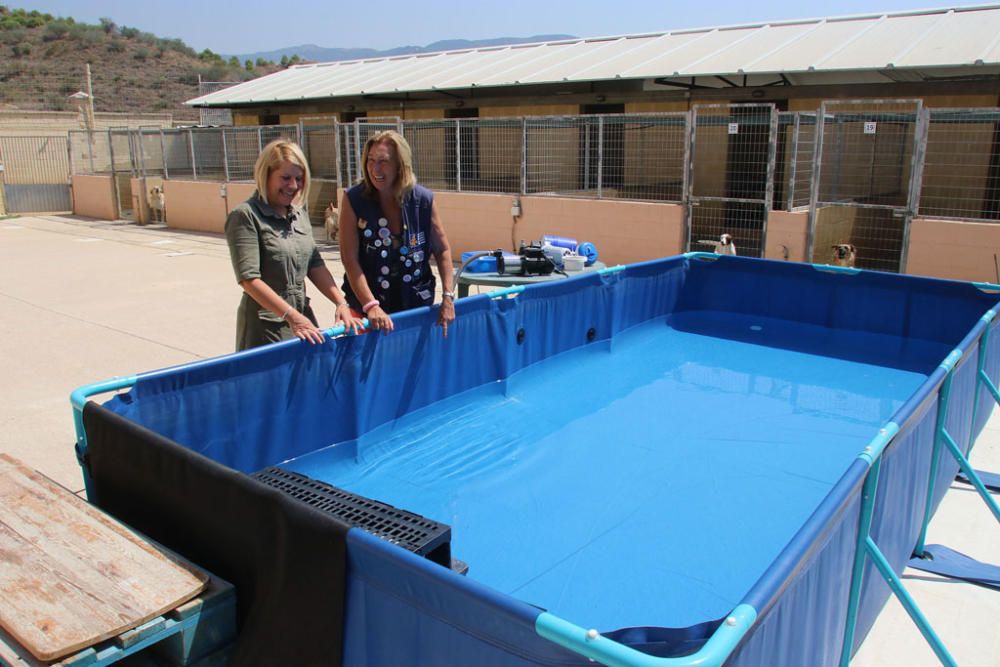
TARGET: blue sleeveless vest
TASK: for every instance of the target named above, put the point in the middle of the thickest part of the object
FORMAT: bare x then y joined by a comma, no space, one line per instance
398,271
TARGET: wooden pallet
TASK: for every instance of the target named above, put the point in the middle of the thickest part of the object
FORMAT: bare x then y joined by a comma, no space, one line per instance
78,588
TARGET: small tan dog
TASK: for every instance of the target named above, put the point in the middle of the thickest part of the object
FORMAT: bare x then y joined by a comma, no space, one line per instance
844,254
331,222
157,203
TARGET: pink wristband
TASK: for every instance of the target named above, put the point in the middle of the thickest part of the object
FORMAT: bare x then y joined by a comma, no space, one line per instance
368,306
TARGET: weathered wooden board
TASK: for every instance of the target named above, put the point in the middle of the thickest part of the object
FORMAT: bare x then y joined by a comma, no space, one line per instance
71,576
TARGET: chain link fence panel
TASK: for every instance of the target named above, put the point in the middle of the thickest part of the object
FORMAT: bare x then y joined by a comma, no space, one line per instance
961,177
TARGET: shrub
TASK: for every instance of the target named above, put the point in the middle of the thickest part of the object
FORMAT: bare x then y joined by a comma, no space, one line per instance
56,30
116,45
109,26
141,53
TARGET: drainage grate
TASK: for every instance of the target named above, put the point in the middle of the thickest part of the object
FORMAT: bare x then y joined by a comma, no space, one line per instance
418,534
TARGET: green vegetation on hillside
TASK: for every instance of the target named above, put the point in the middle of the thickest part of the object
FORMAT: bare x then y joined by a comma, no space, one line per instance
43,61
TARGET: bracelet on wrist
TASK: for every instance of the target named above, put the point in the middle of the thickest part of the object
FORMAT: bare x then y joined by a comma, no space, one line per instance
368,306
285,314
448,295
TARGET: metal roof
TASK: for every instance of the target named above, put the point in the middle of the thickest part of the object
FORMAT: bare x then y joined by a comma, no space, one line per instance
887,44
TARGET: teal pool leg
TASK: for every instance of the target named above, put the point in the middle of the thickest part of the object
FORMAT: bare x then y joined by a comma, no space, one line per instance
942,414
857,573
908,603
966,467
980,372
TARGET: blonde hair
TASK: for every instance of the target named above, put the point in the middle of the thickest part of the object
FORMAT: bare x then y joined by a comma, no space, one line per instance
405,178
273,155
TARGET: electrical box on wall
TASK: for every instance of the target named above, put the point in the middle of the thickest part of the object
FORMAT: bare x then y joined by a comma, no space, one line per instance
515,208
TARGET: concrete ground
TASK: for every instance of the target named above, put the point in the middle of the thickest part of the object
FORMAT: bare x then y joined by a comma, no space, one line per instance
84,300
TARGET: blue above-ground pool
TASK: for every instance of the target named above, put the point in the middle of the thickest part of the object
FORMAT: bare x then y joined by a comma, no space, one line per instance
660,464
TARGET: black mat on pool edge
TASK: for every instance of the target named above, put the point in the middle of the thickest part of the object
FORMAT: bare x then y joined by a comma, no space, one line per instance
286,559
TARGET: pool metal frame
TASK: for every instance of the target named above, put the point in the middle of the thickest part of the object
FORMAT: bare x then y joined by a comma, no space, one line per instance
738,623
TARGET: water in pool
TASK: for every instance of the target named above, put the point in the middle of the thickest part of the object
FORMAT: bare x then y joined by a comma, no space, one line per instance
646,482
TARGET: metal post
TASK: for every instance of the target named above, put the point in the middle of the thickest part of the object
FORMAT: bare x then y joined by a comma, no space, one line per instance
142,156
225,154
194,167
814,185
114,175
357,151
260,140
163,155
793,163
586,158
336,149
687,196
90,100
458,156
524,155
916,179
772,157
600,155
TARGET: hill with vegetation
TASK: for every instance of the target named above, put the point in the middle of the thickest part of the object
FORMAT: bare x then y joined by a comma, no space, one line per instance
44,58
43,62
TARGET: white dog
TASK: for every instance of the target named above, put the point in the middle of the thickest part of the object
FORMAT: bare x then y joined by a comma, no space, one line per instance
157,203
844,254
331,222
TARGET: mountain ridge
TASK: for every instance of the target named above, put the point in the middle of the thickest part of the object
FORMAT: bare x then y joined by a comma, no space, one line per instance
315,53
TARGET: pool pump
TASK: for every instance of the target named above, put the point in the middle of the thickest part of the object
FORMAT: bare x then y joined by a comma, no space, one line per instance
531,260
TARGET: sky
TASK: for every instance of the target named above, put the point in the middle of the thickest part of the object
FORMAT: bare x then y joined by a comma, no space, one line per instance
248,26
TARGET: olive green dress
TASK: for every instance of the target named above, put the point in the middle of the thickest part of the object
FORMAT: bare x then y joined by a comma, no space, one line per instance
279,251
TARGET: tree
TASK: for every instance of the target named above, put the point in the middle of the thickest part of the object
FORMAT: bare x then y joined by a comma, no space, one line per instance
234,61
248,65
109,26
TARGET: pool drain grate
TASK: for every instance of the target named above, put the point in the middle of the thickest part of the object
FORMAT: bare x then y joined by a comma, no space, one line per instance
413,532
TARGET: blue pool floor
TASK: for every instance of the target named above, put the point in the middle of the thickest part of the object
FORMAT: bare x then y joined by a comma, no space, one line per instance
646,481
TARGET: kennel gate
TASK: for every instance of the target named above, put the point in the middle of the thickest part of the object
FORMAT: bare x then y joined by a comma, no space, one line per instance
866,180
730,184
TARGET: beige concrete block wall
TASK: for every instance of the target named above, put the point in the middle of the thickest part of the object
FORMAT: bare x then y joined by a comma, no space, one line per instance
236,194
196,205
787,234
623,232
956,250
475,221
94,197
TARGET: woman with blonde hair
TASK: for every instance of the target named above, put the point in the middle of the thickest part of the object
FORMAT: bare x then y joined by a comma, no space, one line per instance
389,229
272,249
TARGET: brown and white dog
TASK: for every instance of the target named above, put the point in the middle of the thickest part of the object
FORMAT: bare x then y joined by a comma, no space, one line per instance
844,254
157,203
331,222
726,245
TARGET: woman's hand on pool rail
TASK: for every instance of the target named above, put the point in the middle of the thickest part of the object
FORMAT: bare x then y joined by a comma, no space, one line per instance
446,313
345,316
379,320
303,328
